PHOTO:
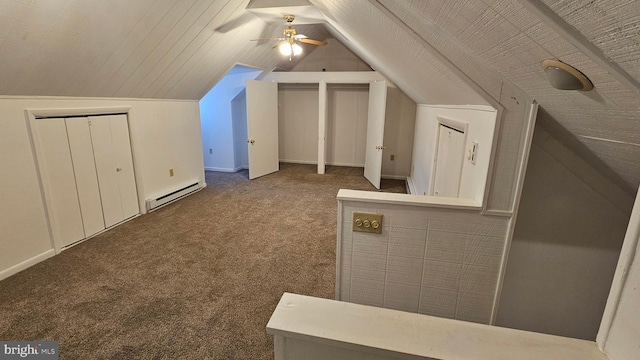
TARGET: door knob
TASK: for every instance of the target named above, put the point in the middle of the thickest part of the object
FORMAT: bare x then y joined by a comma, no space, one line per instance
118,169
251,141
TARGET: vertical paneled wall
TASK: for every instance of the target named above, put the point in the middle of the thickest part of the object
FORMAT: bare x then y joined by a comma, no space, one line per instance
298,123
427,260
347,124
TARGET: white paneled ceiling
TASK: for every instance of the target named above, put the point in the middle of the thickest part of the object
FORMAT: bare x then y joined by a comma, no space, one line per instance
144,48
181,48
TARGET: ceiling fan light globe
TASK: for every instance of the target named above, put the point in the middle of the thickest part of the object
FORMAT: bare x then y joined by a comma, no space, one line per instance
297,49
285,49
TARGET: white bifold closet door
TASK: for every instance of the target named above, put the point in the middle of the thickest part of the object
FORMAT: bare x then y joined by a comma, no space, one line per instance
112,153
59,182
87,173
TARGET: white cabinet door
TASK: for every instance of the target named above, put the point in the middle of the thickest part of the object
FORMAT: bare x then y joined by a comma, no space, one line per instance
262,127
86,177
58,179
124,162
110,137
375,132
449,161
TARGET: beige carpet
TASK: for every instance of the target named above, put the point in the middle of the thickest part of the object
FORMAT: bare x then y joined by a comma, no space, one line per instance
196,279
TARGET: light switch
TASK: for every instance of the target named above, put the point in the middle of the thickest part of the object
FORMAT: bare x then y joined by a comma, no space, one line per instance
170,172
367,222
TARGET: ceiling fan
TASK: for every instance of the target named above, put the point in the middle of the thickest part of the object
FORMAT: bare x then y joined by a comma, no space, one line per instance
289,43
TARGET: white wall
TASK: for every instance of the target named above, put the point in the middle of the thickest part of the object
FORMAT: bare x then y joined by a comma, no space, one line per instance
442,260
347,110
217,124
567,239
620,331
164,135
481,120
240,134
346,123
298,123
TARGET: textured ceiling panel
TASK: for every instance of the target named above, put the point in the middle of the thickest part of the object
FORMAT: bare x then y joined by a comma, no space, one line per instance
622,157
611,25
506,36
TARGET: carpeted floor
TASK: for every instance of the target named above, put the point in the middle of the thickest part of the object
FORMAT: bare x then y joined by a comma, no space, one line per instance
197,279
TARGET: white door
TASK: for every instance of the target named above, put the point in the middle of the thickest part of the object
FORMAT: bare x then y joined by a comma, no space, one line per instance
375,132
449,159
262,127
112,153
58,178
86,176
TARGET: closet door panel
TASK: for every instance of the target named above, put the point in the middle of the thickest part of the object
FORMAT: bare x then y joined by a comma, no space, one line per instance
86,176
126,176
106,167
59,181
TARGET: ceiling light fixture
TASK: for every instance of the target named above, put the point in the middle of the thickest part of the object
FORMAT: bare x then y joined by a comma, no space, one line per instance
290,49
565,77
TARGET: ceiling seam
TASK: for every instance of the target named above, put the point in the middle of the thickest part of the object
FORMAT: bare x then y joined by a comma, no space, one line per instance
609,140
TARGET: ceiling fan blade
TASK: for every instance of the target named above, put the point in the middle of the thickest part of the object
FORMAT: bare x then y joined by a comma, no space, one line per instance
263,39
312,42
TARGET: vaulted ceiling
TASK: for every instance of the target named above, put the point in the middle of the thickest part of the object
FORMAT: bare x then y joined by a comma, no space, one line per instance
436,51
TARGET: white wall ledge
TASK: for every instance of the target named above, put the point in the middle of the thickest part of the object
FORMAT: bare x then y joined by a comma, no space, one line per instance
386,333
408,199
330,77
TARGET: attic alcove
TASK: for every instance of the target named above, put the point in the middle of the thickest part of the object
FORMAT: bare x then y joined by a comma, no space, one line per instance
411,132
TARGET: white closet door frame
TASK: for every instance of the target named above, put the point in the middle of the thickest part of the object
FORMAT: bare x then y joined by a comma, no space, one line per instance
34,115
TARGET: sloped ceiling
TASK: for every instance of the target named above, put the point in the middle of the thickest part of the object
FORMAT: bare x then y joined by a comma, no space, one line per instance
180,48
174,49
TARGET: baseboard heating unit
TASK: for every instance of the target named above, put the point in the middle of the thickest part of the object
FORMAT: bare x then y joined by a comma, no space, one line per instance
154,204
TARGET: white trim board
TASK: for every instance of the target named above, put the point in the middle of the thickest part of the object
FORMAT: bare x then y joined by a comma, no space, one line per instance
329,77
397,334
407,199
27,263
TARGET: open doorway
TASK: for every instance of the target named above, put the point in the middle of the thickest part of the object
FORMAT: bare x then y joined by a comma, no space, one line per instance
220,139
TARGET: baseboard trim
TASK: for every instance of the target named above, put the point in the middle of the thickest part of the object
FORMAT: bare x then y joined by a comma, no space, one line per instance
230,170
26,264
303,162
393,177
411,188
